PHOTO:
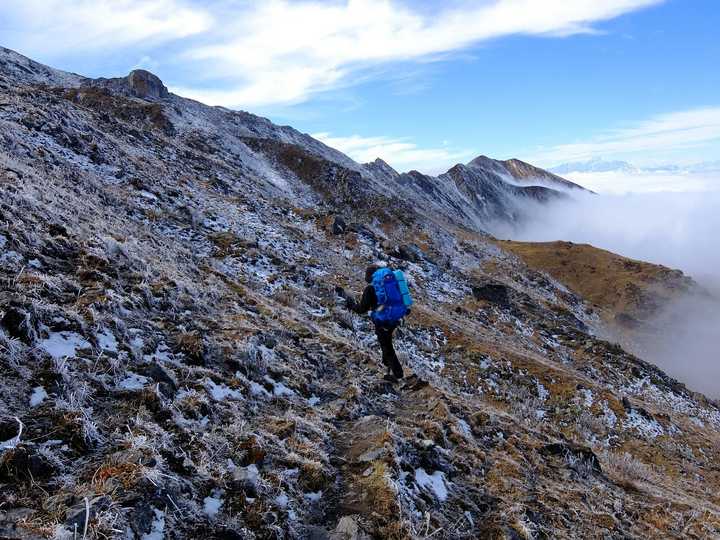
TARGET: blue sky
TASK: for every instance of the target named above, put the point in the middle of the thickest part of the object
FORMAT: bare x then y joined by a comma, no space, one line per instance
421,84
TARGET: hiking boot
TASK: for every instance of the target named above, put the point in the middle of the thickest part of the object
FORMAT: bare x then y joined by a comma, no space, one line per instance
392,379
413,382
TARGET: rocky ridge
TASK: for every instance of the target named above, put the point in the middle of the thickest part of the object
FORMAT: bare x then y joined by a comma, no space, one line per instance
177,363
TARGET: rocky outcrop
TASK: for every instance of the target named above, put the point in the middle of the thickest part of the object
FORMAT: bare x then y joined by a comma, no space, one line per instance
139,83
380,169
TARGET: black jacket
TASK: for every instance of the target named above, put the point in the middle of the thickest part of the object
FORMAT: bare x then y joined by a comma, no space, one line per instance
368,302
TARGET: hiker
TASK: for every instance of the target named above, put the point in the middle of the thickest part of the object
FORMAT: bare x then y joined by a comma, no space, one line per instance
388,297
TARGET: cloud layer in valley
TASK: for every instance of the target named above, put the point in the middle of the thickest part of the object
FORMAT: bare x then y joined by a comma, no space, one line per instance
647,181
678,230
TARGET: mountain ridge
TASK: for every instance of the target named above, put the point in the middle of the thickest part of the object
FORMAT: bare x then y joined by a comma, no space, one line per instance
177,362
496,171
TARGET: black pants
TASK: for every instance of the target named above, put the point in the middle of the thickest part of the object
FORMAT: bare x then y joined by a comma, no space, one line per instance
384,334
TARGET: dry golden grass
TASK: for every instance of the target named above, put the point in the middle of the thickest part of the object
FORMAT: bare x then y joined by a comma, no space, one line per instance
127,474
377,491
313,476
190,343
625,470
616,284
226,244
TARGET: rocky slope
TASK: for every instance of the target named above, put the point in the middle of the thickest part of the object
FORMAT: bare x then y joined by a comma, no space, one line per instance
177,364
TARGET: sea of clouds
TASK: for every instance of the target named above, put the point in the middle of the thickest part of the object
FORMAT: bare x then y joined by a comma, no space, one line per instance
674,222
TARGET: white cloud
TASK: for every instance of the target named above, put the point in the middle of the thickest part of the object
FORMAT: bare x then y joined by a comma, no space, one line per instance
278,51
401,154
252,53
619,182
51,27
651,140
678,230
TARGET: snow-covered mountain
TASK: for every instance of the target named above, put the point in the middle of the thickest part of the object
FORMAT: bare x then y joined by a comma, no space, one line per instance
623,177
599,165
177,362
593,165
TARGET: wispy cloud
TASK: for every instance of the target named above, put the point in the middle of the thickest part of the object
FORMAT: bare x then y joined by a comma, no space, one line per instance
401,154
651,140
52,27
278,51
281,51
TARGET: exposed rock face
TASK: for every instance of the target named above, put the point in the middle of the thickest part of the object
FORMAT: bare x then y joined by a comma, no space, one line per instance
144,84
382,170
139,83
177,358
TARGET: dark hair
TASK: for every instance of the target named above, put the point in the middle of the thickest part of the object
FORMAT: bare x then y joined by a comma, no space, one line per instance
369,271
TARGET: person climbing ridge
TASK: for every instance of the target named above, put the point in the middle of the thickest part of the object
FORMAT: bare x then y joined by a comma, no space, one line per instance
388,297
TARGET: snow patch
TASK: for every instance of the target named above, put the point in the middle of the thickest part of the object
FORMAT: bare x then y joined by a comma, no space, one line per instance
435,483
157,528
587,397
133,381
543,394
314,496
38,396
61,345
650,428
220,392
211,505
279,389
258,390
106,340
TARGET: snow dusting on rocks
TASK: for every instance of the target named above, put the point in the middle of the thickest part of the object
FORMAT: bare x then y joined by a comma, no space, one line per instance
178,361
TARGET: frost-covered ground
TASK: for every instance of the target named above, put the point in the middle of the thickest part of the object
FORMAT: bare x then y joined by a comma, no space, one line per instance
177,363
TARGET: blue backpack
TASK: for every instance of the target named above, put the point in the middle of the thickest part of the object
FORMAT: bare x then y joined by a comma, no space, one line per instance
393,296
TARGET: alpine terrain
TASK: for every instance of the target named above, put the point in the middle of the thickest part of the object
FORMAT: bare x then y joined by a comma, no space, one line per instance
177,362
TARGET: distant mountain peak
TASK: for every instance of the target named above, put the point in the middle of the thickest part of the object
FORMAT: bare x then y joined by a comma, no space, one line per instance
382,163
381,168
485,162
521,172
593,165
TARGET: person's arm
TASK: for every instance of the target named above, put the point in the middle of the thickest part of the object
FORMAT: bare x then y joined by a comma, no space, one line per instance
367,302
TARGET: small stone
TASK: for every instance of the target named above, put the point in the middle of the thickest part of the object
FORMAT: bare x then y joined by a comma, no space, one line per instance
20,324
348,529
339,226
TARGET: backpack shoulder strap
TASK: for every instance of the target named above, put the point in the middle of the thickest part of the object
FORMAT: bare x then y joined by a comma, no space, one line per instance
378,283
